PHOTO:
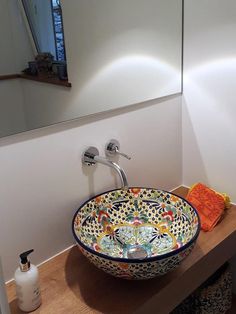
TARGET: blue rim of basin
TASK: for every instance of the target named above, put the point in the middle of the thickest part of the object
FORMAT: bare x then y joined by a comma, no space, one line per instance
135,260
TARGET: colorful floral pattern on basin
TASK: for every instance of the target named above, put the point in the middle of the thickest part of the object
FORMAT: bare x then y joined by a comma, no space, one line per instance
137,233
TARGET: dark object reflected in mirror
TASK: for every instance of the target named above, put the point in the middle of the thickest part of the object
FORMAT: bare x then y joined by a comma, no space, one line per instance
62,71
46,25
33,68
45,66
44,62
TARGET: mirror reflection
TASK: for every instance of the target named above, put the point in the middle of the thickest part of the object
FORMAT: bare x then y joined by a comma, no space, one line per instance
45,20
118,53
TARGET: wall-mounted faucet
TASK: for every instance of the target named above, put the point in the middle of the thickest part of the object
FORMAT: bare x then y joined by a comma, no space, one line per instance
91,157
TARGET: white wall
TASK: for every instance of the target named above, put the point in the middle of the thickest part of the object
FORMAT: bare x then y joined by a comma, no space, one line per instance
12,118
209,108
43,182
15,49
7,63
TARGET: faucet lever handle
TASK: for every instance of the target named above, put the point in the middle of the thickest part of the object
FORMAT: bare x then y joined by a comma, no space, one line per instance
113,148
121,154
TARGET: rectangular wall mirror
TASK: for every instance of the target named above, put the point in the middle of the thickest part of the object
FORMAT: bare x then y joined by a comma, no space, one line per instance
118,53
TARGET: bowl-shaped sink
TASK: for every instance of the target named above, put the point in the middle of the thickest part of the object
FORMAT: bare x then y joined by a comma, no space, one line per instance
139,233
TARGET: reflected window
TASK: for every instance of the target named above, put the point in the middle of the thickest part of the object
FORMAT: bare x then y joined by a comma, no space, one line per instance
46,24
58,30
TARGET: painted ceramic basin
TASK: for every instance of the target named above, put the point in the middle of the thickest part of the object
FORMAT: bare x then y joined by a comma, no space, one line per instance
136,234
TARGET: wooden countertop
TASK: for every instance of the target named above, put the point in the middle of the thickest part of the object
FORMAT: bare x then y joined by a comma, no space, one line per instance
71,285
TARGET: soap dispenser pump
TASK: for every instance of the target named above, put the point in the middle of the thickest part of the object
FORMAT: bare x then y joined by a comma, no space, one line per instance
27,284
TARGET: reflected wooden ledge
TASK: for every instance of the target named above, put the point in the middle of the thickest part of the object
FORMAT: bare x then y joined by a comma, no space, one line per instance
38,78
9,77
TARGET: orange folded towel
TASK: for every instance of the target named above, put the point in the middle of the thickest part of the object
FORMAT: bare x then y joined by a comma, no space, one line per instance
209,204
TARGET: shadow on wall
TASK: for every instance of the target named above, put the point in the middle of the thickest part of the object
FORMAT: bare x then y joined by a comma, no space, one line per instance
194,169
89,171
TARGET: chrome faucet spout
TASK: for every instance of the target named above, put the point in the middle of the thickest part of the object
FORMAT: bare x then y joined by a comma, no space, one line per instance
91,157
116,167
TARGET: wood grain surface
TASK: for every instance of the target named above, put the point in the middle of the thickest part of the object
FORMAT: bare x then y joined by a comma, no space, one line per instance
45,79
71,285
9,77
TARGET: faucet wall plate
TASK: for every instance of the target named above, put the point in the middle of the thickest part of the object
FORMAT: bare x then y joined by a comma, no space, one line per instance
111,147
88,156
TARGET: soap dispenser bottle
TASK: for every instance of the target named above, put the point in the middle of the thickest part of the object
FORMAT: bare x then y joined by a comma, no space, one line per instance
27,284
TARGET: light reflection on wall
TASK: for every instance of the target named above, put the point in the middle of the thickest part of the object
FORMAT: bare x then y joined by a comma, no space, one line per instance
209,122
134,77
211,83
